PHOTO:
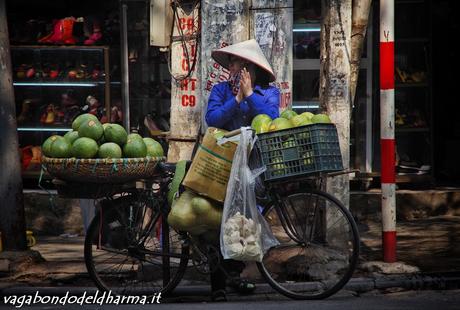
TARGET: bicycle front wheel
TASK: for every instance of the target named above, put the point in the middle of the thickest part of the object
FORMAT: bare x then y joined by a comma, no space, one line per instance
319,245
130,249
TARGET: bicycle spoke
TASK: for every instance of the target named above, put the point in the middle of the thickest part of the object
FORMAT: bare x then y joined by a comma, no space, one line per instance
110,267
285,222
312,227
321,265
131,258
291,222
306,218
104,261
119,252
335,223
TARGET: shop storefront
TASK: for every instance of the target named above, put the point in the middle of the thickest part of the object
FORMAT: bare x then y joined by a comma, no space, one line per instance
103,58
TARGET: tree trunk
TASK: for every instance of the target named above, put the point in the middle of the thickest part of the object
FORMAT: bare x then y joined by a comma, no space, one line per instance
12,221
334,94
360,18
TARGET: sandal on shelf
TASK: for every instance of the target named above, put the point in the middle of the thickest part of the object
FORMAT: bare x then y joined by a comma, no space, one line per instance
219,295
242,286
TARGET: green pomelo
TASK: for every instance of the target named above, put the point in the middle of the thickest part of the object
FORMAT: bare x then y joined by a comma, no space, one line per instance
210,215
102,138
46,146
279,124
304,135
288,114
115,133
261,123
201,205
306,122
278,167
194,214
91,129
71,136
135,148
154,148
84,148
302,121
289,142
149,141
308,115
110,150
60,148
321,119
82,119
134,136
307,158
278,159
180,217
298,120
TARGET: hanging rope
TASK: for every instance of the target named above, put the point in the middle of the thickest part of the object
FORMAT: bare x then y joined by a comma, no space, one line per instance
176,21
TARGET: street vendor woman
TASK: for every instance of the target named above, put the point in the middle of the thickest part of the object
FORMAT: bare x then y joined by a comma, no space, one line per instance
233,104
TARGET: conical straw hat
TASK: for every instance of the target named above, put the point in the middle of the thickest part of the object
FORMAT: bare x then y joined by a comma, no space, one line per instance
248,50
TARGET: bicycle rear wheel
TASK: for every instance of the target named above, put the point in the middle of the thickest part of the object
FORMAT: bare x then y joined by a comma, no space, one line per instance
319,245
130,249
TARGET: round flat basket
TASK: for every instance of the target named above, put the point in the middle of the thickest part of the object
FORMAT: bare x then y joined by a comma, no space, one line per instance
101,170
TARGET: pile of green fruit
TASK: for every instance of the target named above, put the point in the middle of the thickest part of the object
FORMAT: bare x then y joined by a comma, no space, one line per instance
262,123
91,139
288,119
195,214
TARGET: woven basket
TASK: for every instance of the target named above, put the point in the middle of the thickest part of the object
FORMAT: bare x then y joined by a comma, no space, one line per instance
101,170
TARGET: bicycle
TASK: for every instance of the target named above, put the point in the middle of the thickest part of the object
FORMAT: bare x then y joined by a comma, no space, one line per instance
131,249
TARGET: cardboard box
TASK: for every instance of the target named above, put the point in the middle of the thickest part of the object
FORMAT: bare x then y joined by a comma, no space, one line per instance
210,170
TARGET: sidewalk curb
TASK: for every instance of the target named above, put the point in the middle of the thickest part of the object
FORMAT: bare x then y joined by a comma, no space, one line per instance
440,281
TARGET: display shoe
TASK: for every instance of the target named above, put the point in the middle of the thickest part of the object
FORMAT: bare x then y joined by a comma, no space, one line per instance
67,30
50,37
25,112
62,32
96,36
92,30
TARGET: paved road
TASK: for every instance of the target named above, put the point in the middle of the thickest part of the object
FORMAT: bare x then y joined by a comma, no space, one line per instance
419,300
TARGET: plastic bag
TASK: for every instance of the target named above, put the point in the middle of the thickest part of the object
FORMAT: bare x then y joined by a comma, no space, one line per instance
245,235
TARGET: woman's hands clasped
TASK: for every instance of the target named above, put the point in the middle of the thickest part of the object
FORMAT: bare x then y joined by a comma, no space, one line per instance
245,86
246,83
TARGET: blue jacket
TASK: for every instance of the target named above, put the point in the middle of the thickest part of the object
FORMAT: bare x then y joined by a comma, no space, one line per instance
225,113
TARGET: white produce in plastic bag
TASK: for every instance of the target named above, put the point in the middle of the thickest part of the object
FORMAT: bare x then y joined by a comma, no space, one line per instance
245,235
241,237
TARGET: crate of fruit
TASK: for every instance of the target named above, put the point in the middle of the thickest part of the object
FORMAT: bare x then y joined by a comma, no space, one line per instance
100,153
300,151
